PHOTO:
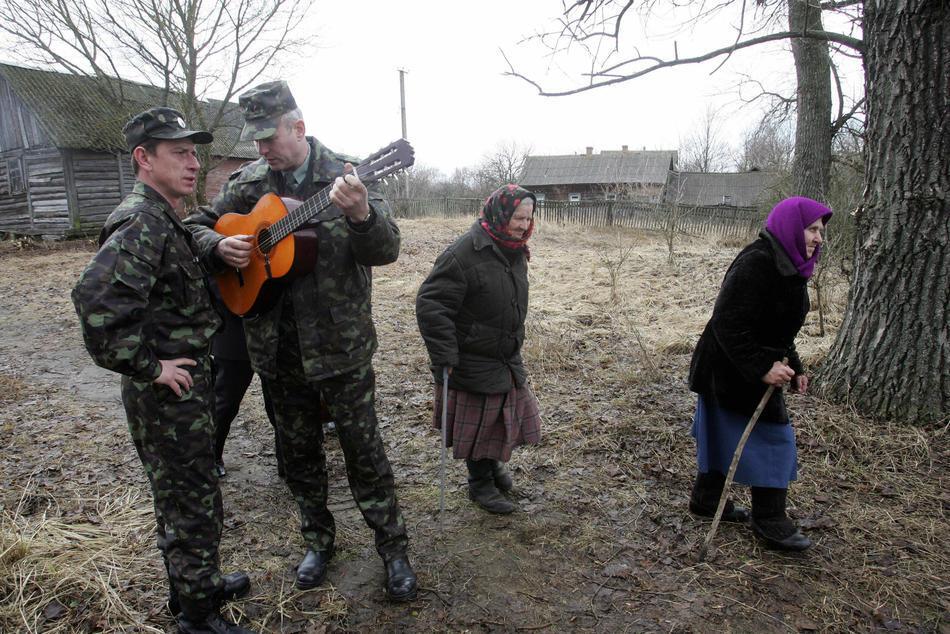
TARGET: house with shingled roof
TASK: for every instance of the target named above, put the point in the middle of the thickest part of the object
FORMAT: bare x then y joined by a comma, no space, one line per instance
724,189
626,174
63,161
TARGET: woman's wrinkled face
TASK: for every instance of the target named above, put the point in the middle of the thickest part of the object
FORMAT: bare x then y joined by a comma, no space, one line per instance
521,219
813,237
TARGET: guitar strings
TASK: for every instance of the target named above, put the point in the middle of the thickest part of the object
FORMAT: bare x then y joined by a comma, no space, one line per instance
286,225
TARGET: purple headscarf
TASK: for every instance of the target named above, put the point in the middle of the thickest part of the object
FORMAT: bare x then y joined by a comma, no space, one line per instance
787,222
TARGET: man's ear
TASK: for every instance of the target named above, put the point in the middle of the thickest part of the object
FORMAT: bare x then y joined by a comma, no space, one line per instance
300,129
142,157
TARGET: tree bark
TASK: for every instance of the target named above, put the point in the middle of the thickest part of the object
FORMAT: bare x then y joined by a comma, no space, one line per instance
811,168
892,355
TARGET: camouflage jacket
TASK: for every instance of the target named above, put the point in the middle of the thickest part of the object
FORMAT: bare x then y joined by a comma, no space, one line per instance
332,304
143,297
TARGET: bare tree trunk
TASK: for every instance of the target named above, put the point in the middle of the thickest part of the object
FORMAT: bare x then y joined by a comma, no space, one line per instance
812,165
892,355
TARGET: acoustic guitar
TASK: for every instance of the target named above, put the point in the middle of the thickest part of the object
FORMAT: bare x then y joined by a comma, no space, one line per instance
282,250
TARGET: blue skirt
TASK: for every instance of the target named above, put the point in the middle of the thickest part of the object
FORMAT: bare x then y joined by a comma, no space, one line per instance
769,459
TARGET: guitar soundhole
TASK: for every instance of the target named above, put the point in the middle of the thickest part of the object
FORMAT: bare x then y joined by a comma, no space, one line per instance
264,241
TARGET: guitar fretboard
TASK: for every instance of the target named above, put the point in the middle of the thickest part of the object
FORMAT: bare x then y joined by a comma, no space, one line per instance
299,216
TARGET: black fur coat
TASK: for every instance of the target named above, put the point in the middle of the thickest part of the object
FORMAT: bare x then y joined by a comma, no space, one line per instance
760,308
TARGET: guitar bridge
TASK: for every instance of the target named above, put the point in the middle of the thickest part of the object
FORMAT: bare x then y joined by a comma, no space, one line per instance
267,266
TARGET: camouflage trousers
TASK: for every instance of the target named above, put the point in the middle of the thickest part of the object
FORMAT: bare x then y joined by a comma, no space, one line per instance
174,438
349,398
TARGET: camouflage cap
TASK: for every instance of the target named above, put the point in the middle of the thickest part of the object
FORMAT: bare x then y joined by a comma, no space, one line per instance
160,123
263,106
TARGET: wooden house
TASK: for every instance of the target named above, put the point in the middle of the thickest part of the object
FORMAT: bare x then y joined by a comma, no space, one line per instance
632,175
63,161
747,190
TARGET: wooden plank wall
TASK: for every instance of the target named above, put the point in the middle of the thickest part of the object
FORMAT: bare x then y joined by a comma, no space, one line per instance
19,129
98,185
46,188
14,209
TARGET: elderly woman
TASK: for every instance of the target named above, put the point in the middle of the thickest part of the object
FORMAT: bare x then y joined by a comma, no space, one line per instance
760,308
471,312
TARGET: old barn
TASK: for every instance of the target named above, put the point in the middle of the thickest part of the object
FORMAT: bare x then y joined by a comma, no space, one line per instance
626,174
750,190
63,162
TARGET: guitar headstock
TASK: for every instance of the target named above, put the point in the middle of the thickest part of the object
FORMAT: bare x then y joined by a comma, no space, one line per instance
396,156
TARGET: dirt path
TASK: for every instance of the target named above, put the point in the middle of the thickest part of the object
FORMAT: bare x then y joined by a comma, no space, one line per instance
602,541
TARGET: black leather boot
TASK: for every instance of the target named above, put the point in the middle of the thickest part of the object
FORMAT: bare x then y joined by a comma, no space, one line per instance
213,623
704,500
236,585
482,490
501,476
771,524
401,583
312,571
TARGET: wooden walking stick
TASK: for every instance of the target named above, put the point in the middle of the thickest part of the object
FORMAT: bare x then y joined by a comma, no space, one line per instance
445,415
732,469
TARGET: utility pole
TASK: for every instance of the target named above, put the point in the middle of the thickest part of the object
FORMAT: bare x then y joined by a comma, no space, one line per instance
402,104
402,99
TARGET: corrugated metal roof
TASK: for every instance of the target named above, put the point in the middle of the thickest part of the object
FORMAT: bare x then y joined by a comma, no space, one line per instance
607,167
76,112
742,189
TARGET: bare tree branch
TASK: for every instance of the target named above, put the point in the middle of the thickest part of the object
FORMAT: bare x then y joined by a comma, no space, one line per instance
191,49
658,63
831,5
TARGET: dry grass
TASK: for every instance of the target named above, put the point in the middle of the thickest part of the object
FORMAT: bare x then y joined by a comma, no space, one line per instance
603,542
75,572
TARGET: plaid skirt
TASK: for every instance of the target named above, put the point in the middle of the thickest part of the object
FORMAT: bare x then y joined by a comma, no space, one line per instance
488,425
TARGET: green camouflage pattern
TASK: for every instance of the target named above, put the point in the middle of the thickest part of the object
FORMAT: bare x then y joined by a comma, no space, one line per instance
350,400
263,107
160,123
143,297
333,303
174,439
318,342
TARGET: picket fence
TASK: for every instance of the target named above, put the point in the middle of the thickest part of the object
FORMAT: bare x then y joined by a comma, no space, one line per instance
737,222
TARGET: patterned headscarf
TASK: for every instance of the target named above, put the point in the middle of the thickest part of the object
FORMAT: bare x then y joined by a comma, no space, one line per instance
787,222
497,213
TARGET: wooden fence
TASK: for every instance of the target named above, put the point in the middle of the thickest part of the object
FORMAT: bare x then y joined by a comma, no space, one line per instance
738,222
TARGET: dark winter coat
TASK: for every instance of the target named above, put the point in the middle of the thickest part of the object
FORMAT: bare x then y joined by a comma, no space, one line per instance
760,308
471,312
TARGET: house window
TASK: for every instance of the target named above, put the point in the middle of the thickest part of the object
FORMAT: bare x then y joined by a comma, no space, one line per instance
15,176
574,198
610,197
726,200
540,198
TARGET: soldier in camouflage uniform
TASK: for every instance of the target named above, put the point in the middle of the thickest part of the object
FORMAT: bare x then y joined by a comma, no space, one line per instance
318,340
146,313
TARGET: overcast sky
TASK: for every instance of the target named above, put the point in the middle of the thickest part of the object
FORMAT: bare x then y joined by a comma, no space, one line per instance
459,104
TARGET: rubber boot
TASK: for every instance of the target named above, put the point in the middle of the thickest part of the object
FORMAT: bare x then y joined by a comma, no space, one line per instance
771,524
482,490
501,476
704,499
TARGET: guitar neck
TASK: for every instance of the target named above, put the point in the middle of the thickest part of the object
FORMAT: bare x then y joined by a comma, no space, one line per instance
392,158
301,215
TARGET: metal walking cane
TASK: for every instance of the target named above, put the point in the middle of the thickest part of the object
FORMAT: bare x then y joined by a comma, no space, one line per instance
732,469
445,415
